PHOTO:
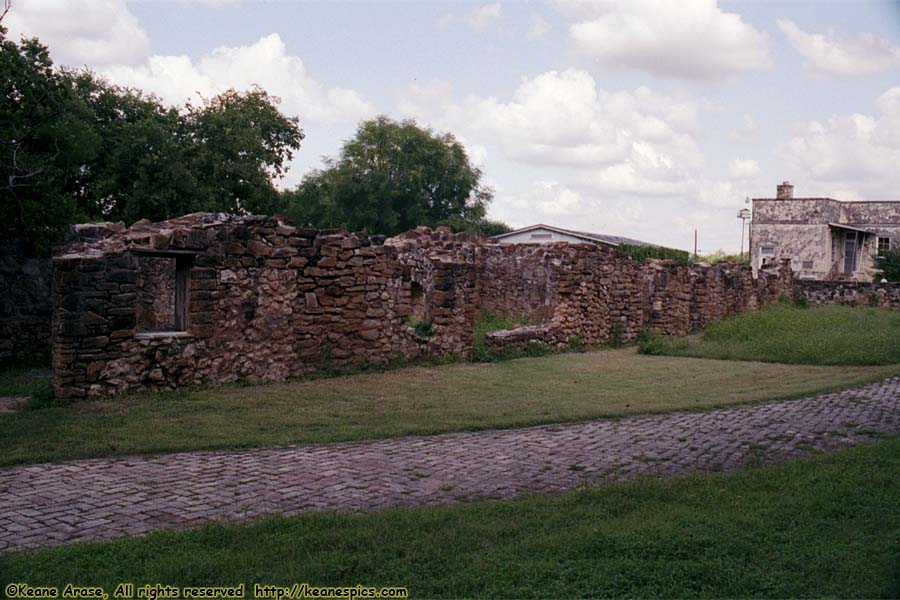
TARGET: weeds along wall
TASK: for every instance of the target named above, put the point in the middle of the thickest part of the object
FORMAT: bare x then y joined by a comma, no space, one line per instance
211,298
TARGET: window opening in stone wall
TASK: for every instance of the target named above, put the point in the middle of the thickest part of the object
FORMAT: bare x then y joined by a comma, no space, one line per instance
884,244
163,293
807,264
417,303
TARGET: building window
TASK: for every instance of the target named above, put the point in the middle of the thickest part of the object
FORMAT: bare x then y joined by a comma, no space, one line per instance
542,236
765,253
163,293
807,264
884,244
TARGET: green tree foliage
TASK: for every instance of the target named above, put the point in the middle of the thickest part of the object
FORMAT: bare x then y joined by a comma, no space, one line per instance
888,264
393,176
74,147
639,253
45,138
721,256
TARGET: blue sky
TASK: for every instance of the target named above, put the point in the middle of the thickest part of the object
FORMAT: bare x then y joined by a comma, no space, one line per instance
632,117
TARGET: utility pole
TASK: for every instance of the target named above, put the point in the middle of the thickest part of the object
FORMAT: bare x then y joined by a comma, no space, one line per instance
695,245
744,216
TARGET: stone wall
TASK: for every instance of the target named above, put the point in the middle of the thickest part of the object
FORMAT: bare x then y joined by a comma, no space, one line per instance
851,293
25,303
262,299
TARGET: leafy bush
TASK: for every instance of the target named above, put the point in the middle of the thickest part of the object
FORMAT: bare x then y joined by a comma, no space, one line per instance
422,328
617,335
888,264
720,256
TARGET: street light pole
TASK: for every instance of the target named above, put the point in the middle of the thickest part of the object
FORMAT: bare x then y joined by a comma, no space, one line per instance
743,215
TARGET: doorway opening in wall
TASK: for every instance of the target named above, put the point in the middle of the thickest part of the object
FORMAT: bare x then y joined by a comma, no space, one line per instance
852,242
162,292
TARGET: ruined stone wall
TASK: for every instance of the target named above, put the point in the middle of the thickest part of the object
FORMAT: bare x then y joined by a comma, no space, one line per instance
851,293
25,303
261,299
687,298
266,301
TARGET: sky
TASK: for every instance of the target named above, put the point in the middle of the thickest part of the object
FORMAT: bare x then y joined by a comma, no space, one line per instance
642,118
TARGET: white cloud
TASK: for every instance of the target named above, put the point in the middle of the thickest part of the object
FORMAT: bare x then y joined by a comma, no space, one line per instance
554,203
827,54
478,19
211,3
743,169
81,32
265,63
849,152
539,27
584,9
485,15
637,141
693,40
748,130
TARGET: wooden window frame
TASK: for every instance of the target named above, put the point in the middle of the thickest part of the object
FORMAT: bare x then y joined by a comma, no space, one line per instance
184,262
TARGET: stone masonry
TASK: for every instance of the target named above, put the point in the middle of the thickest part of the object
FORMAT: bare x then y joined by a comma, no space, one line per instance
849,293
25,303
211,298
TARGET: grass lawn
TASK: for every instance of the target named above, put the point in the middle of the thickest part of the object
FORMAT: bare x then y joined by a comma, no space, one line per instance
421,400
782,333
25,380
825,527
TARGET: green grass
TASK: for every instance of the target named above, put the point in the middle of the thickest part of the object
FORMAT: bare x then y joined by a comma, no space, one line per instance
826,335
485,323
824,527
420,400
26,380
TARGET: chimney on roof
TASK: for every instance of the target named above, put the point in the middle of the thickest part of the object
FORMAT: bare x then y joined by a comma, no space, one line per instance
785,191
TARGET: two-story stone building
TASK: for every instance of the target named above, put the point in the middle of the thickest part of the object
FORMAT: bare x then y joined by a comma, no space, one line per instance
825,238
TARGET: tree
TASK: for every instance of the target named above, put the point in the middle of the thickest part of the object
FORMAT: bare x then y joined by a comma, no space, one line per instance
74,147
238,143
888,264
45,138
392,176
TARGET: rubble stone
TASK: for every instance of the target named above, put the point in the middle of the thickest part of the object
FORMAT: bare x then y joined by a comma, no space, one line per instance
260,299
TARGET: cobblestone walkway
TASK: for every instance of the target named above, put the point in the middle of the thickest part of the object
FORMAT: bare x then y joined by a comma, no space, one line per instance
50,504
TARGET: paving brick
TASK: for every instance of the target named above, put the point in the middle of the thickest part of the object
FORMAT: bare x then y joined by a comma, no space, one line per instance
52,504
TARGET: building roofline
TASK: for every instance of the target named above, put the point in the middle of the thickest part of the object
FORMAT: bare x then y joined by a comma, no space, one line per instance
578,234
824,198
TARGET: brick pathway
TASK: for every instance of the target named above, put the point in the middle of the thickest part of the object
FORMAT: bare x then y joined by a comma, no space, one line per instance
50,504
